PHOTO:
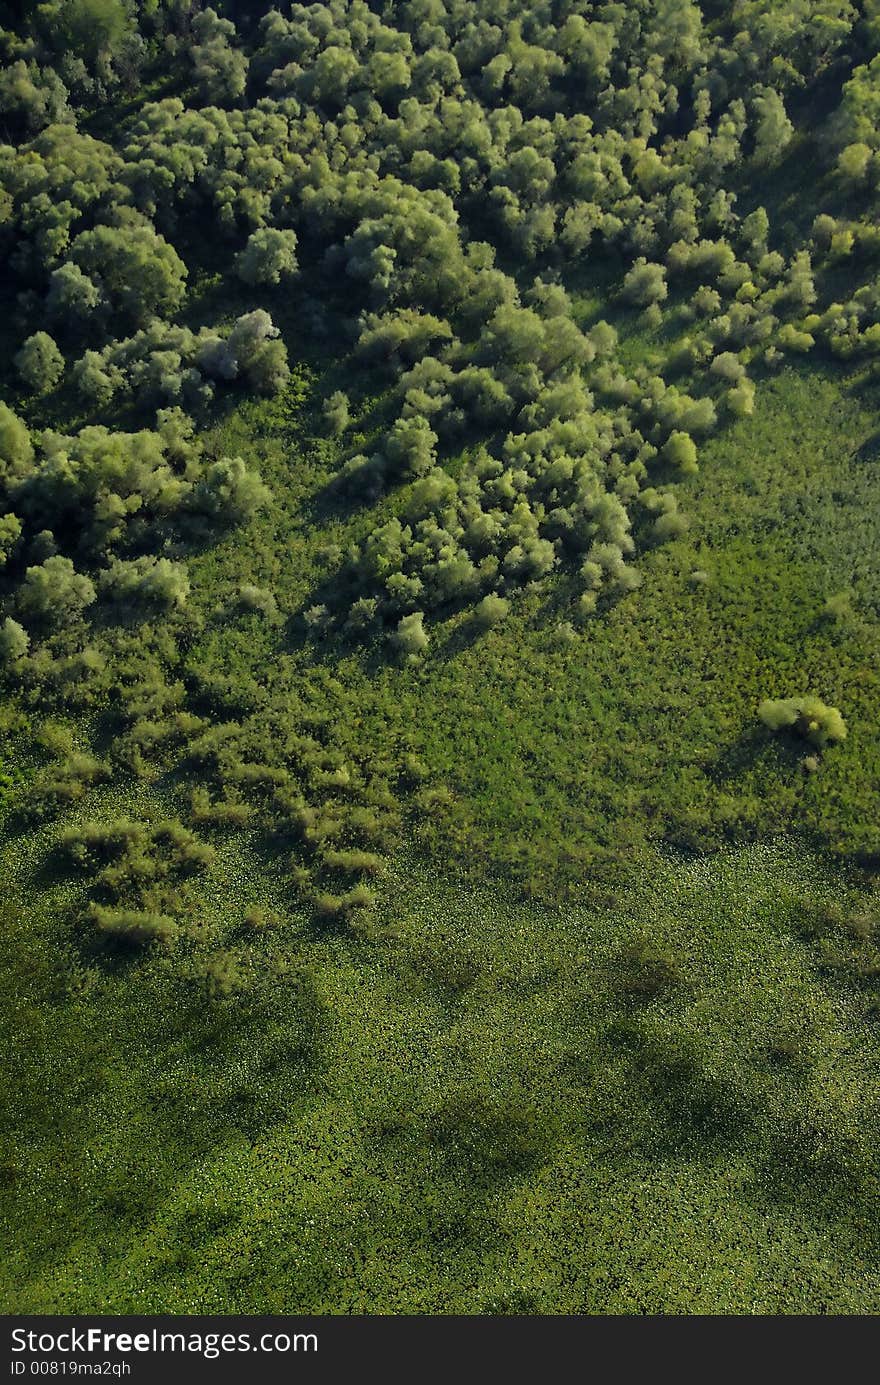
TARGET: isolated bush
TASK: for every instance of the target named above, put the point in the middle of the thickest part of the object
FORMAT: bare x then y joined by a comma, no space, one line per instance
839,609
410,637
134,926
260,599
741,400
229,492
671,525
490,611
807,716
853,165
353,862
681,450
646,970
221,976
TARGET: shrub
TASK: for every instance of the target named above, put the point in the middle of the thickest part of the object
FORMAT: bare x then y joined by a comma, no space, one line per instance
741,400
671,525
72,296
14,641
147,581
208,812
681,451
39,363
853,165
317,618
353,861
808,717
790,339
706,302
16,448
604,338
336,412
268,256
141,273
54,592
230,492
410,637
220,976
135,926
587,604
644,284
490,611
839,608
258,599
359,897
254,347
92,841
410,448
256,917
10,533
729,367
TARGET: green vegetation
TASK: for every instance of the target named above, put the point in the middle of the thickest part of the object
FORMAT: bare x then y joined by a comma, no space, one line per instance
660,1107
439,643
808,716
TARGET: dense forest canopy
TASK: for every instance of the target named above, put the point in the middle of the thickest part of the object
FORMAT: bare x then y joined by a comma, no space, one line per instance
344,341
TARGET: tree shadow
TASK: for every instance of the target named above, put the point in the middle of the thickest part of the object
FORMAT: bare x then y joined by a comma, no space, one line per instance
184,1077
869,452
741,755
830,1178
693,1107
462,637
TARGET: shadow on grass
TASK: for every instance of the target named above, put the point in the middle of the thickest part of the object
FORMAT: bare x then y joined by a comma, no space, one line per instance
184,1076
741,755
